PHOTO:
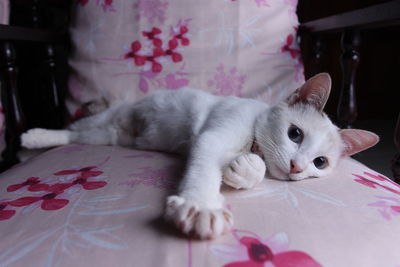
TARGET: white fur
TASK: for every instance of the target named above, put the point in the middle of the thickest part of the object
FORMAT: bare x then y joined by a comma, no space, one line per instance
215,134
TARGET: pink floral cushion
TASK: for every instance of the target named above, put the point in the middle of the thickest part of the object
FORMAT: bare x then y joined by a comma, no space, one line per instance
127,49
84,205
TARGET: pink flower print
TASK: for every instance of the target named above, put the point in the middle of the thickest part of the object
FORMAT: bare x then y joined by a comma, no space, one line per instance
230,83
261,3
33,184
252,251
151,10
180,36
107,5
152,35
378,181
135,47
387,206
173,83
157,178
5,213
292,8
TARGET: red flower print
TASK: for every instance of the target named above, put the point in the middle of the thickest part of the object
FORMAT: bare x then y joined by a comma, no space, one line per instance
54,195
172,45
85,172
83,175
49,201
152,36
33,184
269,252
135,47
259,254
155,65
378,181
294,53
182,31
5,214
89,185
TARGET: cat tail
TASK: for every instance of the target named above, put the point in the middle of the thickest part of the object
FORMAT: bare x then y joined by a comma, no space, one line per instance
43,138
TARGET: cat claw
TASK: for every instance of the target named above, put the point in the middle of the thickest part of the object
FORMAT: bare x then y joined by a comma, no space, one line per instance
192,220
245,172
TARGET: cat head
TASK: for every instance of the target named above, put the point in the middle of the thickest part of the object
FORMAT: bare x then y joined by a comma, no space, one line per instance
299,141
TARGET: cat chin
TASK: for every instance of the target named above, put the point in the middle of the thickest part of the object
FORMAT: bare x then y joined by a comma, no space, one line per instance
276,173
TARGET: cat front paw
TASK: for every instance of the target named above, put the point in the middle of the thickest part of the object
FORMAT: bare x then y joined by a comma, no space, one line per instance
194,220
246,171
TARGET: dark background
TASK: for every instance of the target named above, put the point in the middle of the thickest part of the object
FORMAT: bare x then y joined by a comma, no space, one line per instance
378,74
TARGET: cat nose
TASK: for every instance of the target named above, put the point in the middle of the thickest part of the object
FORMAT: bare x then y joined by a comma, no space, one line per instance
294,167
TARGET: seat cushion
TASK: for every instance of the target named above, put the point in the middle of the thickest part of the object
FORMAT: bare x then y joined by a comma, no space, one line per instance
83,205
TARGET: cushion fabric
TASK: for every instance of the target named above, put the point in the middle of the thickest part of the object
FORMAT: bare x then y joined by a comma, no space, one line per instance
124,50
82,205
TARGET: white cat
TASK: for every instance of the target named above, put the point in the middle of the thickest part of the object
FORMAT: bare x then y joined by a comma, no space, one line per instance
229,139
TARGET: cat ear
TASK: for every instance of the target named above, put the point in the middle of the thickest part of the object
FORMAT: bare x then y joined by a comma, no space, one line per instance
357,140
315,91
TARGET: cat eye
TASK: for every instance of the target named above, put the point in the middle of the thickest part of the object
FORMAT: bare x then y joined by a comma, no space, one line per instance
321,162
295,134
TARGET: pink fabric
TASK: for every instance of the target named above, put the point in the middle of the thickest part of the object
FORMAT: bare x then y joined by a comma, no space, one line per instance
127,49
83,205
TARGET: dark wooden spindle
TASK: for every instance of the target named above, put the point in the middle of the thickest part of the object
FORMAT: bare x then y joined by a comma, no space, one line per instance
316,54
51,85
347,108
14,118
396,159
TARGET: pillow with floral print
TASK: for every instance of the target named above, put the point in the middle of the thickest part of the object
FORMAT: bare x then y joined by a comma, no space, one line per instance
128,49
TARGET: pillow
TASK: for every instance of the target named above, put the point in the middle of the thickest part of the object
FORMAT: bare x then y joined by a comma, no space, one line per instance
124,50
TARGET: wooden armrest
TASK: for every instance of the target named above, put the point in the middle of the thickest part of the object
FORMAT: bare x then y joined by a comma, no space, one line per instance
370,17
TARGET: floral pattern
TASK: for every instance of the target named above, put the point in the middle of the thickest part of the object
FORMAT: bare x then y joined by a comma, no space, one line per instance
227,83
153,55
152,10
388,207
107,5
110,208
161,178
51,196
253,251
378,181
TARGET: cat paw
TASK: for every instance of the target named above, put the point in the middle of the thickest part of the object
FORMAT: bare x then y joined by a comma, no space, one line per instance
194,220
40,138
245,171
